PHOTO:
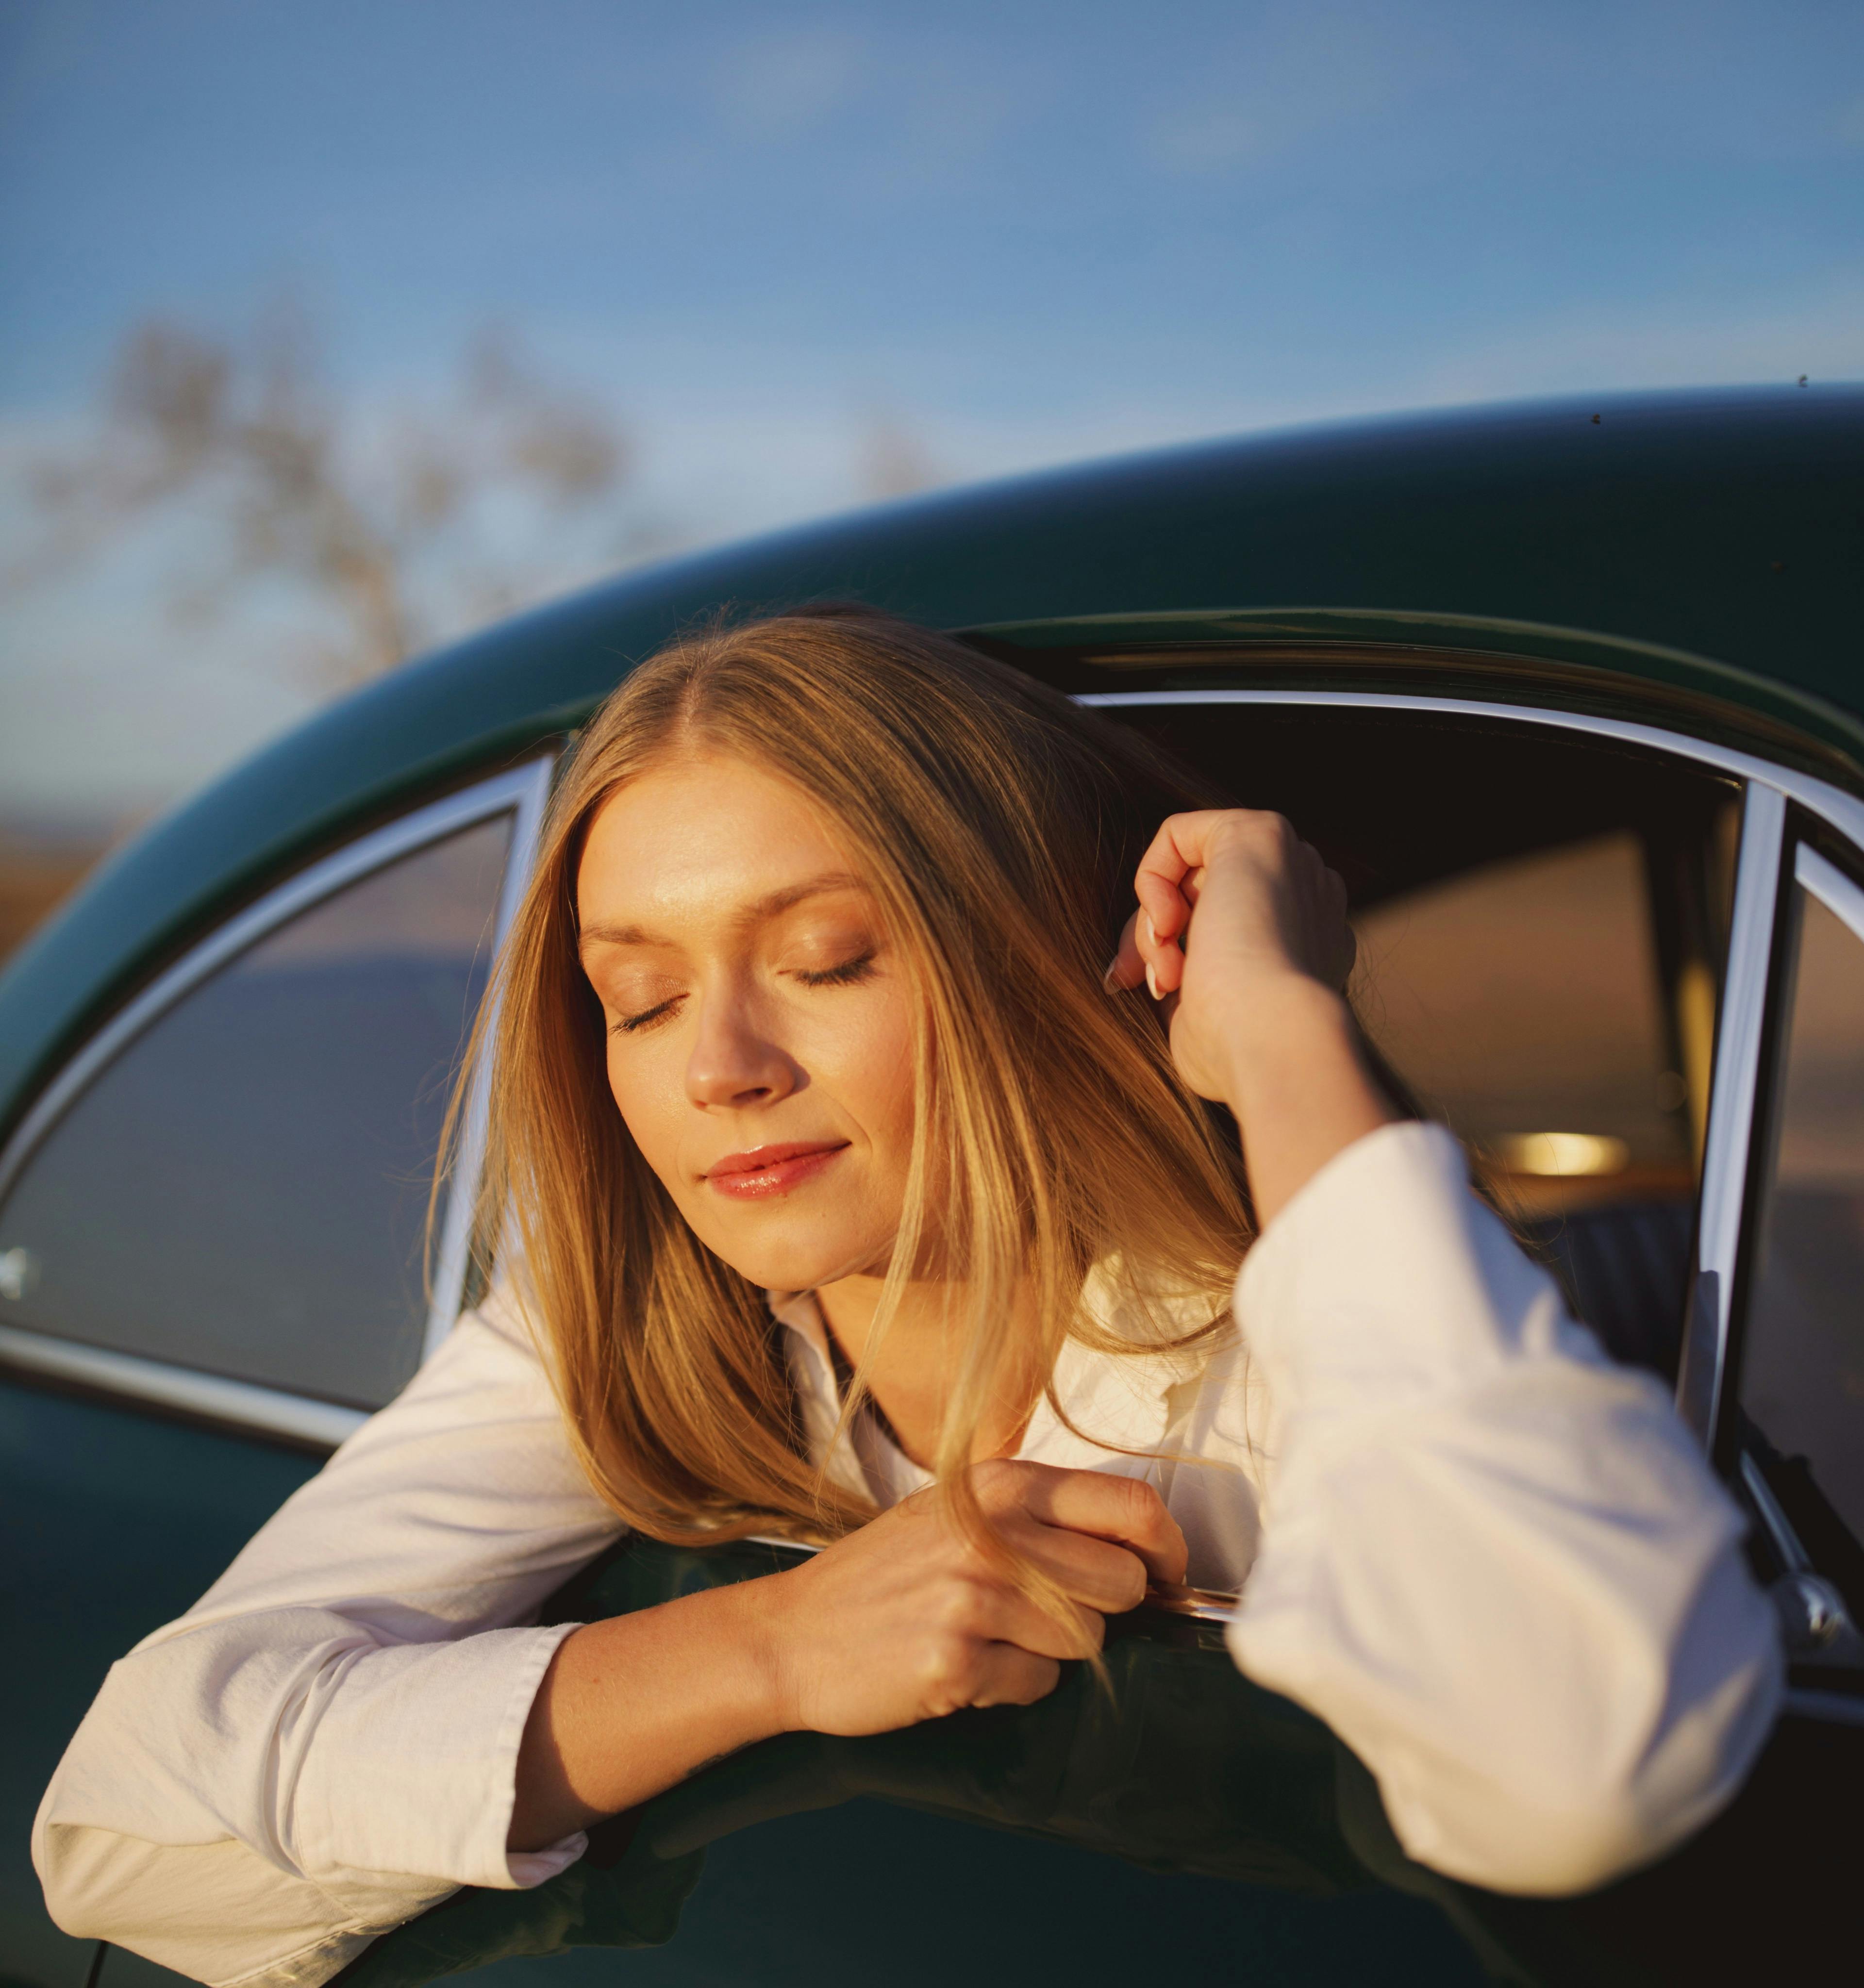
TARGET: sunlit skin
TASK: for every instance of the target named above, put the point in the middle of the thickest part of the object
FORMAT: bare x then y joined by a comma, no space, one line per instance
753,1000
760,1028
760,1025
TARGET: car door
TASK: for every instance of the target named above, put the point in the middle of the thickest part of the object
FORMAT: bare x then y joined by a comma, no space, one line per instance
214,1259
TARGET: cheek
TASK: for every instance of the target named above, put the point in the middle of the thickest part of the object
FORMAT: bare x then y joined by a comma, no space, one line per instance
650,1094
868,1066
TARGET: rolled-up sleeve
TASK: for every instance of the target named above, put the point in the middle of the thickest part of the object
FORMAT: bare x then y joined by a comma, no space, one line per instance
326,1744
1494,1562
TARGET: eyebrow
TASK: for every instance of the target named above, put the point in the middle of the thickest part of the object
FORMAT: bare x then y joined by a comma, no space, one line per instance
769,906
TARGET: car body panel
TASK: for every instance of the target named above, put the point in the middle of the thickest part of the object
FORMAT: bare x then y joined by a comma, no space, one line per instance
1183,1819
117,1520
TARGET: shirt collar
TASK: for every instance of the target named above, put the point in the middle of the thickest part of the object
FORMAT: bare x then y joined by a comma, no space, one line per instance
1121,1399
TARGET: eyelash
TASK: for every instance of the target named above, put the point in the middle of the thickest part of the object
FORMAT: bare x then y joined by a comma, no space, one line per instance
849,973
647,1016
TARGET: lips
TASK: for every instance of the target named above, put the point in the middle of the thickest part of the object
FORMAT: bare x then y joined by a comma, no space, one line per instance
768,1170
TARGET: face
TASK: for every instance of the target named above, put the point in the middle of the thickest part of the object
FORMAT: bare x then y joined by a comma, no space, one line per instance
760,1030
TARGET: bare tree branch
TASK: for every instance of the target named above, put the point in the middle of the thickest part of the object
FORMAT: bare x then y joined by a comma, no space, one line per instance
250,434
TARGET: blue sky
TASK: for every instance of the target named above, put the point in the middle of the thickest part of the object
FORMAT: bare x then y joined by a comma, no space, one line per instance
1022,232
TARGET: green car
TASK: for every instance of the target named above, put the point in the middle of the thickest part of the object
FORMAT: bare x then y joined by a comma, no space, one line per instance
1573,697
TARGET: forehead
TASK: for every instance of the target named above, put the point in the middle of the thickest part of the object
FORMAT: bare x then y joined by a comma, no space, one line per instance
698,834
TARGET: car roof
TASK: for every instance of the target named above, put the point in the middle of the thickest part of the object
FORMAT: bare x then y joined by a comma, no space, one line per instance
1697,554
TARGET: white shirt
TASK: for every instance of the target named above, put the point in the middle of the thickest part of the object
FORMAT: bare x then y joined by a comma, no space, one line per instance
1493,1562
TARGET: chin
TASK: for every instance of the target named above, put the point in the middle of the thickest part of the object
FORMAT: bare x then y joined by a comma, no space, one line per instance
796,1263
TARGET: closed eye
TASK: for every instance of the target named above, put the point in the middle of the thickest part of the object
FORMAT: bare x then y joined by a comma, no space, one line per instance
647,1016
846,975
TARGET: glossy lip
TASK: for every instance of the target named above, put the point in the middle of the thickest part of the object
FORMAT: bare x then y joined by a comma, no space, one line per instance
766,1170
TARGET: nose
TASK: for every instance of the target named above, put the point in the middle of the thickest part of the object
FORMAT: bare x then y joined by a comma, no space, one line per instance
734,1063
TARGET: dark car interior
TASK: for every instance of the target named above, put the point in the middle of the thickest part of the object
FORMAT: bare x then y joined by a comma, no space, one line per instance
1541,916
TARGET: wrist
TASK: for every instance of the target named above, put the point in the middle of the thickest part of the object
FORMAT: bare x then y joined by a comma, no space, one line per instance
762,1617
1299,1089
1275,1022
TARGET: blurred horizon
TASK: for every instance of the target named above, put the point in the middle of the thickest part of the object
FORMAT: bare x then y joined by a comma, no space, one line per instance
780,260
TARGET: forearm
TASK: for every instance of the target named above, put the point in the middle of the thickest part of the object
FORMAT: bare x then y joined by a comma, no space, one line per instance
631,1705
1496,1565
1297,1085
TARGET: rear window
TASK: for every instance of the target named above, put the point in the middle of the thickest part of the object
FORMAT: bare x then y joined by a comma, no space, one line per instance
244,1189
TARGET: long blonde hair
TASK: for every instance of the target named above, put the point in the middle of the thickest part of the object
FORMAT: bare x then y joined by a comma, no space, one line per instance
998,825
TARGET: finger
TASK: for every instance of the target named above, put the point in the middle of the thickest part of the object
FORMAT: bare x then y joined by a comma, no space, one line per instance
1121,1511
1143,957
1167,884
1004,1674
1095,1574
1180,846
1007,1615
1127,966
1164,960
1170,858
1164,910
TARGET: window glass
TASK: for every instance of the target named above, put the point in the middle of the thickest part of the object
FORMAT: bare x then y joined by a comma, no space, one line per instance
1802,1375
244,1188
1522,1000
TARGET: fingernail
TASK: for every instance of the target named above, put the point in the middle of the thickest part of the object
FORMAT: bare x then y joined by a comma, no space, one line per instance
1107,979
1148,930
1152,981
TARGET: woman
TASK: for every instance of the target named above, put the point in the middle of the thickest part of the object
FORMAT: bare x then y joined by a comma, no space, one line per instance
851,1196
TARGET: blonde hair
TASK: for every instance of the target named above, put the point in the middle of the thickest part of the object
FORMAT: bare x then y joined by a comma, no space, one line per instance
998,825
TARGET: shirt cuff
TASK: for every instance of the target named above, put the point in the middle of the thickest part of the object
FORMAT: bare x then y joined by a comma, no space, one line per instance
414,1765
1385,1281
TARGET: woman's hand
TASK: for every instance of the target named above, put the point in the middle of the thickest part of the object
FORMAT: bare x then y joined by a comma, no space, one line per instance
1267,913
902,1620
1241,936
906,1619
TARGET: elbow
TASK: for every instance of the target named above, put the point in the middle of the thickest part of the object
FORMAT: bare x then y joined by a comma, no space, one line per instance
76,1882
1562,1827
1536,1850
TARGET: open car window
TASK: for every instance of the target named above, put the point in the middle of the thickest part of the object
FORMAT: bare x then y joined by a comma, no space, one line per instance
1542,917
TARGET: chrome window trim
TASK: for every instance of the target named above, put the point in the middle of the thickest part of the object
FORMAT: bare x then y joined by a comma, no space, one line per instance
1844,812
521,791
1739,1028
244,1404
1767,788
451,1259
1829,884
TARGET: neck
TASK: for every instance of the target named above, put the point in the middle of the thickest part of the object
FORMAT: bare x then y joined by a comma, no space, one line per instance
912,1370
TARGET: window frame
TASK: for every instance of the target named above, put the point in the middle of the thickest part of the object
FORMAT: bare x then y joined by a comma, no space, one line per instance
521,792
1783,810
1768,790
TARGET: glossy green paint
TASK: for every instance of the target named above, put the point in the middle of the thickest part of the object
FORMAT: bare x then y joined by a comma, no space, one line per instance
1709,544
115,1521
1182,1816
1184,1824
